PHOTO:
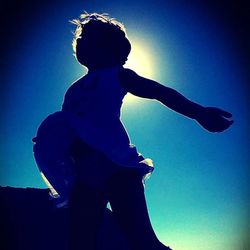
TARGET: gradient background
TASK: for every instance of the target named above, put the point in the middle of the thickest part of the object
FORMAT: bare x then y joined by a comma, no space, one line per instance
198,194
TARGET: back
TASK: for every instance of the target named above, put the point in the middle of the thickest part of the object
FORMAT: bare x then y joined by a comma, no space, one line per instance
97,96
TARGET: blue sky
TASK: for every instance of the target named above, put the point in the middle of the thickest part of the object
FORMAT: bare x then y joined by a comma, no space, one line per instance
198,194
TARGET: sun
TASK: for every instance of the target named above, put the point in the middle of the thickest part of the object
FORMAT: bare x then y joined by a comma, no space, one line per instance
140,60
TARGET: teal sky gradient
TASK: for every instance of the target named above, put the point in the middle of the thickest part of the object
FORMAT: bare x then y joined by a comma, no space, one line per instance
198,194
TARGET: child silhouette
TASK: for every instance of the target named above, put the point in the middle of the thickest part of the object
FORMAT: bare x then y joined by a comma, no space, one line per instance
84,150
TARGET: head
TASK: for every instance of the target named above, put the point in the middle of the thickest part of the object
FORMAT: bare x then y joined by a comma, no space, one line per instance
100,41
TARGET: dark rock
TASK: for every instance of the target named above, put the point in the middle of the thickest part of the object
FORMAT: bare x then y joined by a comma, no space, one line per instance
29,221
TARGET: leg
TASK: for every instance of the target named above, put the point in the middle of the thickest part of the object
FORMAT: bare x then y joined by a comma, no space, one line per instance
127,199
86,209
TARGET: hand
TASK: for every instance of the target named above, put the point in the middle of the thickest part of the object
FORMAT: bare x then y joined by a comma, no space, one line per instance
215,119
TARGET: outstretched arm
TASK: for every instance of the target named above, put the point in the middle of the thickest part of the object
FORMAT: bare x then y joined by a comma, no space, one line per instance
212,119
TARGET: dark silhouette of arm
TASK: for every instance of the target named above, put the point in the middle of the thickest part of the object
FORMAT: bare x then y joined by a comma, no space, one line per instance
212,119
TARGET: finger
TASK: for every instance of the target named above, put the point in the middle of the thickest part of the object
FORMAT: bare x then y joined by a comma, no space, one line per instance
220,112
225,113
226,125
221,126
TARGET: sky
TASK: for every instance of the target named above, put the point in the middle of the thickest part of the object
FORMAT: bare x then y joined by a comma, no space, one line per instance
198,194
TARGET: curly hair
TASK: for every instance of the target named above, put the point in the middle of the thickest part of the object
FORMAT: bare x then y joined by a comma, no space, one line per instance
100,41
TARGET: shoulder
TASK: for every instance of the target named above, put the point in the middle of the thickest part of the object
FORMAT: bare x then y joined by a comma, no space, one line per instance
128,78
133,82
140,86
125,74
76,86
73,93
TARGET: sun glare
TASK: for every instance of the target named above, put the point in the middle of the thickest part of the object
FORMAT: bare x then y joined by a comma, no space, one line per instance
141,61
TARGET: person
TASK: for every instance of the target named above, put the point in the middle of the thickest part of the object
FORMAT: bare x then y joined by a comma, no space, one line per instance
85,152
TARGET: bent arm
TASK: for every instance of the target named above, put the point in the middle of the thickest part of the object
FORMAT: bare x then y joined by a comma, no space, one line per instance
150,89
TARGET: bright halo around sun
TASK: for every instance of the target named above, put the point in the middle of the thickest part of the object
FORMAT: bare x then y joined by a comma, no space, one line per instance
141,61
